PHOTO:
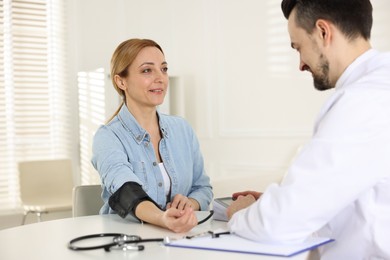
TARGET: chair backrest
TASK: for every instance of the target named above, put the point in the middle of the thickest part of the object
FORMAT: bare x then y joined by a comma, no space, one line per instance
87,200
44,179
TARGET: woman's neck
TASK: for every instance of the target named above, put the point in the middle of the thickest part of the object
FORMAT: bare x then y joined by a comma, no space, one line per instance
146,116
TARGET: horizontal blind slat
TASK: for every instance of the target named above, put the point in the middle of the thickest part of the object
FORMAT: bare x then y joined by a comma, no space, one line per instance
34,119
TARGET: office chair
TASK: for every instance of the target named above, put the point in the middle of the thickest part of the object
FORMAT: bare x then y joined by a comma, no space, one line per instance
87,200
45,186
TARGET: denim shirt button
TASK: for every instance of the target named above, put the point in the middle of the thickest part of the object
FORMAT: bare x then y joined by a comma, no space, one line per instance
154,164
146,144
160,184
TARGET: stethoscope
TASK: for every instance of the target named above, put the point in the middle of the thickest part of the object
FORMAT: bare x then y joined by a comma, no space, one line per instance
120,241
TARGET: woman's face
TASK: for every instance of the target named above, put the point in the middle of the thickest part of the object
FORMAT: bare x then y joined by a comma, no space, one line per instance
147,80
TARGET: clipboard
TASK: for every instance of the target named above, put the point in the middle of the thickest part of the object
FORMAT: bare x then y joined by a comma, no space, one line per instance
236,244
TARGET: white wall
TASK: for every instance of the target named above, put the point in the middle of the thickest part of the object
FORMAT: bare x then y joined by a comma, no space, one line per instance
238,78
241,89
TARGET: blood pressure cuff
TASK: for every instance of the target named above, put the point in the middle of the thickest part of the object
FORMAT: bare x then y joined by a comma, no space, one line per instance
126,199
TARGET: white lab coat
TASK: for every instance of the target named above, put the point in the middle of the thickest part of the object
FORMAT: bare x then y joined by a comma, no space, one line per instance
339,184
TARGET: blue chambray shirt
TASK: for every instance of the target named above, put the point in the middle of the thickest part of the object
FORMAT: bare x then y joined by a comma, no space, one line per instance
122,152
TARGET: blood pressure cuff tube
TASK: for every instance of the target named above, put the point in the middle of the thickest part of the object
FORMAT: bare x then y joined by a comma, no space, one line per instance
126,199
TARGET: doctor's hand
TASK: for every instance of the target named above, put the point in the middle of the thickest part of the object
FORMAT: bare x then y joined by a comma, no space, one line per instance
182,202
179,221
240,203
255,194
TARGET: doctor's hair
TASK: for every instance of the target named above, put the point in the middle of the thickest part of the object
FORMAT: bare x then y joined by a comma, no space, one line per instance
123,56
352,17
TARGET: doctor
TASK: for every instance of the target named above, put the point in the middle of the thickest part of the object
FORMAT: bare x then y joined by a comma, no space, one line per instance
339,185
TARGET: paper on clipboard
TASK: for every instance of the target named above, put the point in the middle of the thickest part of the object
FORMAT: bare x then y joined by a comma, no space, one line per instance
234,243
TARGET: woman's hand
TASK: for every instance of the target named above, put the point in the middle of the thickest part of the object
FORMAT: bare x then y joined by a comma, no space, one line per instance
182,202
178,220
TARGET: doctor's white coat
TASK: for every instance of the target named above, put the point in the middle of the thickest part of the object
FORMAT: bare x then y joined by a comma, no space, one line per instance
339,184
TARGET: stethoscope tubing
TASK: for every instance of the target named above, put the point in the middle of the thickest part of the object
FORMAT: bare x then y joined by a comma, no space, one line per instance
107,246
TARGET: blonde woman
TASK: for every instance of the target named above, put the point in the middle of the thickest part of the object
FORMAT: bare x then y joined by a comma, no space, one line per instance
150,163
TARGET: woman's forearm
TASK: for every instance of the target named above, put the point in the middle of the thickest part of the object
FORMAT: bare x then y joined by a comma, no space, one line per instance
150,213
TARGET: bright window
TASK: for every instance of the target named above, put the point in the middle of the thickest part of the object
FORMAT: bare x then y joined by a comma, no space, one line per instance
34,114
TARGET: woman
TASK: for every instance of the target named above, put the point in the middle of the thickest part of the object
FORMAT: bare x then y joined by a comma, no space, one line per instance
149,163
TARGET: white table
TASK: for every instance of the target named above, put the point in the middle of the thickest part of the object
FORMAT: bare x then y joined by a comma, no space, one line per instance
48,240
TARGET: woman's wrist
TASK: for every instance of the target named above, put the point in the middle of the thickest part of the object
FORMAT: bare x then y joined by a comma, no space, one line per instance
150,213
194,204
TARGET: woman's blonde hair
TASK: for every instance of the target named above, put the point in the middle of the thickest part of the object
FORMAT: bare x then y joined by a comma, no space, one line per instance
124,55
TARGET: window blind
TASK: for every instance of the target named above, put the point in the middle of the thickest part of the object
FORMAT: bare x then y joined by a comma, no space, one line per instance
34,118
92,110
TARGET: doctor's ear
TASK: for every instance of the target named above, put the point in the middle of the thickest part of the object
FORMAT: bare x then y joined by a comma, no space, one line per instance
120,82
323,29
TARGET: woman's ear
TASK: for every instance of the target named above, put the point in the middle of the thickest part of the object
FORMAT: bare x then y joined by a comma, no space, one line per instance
120,82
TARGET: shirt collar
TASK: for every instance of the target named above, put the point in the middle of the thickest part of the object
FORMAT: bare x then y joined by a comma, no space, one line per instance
129,122
350,75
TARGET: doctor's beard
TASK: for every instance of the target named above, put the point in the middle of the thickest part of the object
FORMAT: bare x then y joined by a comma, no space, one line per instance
321,79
